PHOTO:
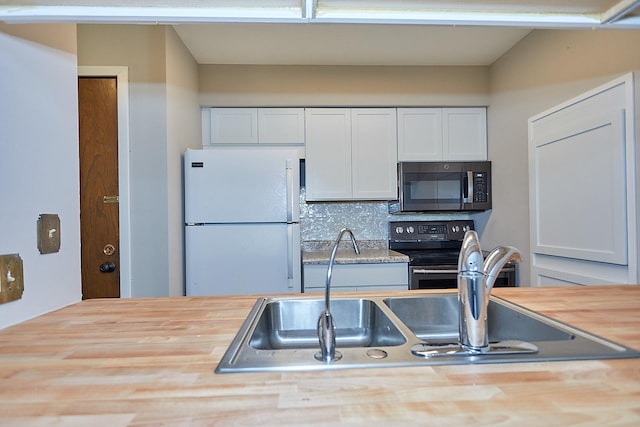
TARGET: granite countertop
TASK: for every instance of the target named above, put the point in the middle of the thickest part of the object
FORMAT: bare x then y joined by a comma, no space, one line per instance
371,252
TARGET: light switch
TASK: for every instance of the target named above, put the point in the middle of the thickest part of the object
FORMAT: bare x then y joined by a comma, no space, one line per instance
48,233
11,278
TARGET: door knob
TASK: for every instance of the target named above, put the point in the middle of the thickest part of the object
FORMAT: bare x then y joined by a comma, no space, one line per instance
107,267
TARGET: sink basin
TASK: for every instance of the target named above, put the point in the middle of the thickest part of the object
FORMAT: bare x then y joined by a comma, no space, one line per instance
292,324
279,334
435,319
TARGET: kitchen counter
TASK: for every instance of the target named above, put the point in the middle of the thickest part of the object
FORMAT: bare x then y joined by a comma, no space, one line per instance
151,361
371,252
346,256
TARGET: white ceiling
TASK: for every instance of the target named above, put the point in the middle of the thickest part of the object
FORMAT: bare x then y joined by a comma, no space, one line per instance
340,44
340,32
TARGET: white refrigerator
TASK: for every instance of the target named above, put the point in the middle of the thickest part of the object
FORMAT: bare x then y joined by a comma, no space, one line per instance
242,221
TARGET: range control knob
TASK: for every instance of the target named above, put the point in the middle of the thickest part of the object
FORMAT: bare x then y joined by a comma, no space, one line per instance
410,229
399,230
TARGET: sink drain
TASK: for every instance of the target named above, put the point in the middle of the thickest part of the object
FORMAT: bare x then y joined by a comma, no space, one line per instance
376,353
318,356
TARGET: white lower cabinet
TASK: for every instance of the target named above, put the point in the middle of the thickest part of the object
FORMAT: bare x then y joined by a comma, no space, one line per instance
357,277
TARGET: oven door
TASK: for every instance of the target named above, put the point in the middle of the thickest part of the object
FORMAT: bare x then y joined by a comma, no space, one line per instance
433,277
446,277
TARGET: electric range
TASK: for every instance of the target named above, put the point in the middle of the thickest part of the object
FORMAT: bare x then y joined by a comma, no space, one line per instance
433,248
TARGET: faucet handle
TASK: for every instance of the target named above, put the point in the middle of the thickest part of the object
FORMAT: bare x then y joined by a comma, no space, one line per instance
470,258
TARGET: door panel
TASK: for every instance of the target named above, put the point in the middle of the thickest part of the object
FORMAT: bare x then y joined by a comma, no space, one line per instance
579,189
99,221
242,259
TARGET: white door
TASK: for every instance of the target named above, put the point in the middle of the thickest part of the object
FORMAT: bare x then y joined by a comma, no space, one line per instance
235,185
579,191
234,125
374,153
328,153
281,125
464,134
242,259
419,134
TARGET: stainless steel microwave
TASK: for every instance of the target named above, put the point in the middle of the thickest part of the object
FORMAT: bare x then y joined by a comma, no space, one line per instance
443,187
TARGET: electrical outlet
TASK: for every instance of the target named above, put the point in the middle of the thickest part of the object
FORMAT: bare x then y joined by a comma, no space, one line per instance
11,278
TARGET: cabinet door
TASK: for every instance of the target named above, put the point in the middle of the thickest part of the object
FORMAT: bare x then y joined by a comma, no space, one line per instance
578,188
281,125
234,125
464,133
374,153
357,277
419,134
328,154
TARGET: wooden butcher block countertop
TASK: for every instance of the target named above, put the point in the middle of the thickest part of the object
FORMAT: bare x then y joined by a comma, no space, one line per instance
151,361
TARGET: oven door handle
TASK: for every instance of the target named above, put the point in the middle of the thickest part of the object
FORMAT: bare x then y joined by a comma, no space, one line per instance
424,271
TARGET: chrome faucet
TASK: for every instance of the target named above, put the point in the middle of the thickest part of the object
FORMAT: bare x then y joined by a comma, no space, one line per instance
475,281
326,327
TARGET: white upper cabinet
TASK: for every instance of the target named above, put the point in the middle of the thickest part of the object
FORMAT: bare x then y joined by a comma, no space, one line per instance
442,134
253,126
328,154
419,134
281,125
351,154
233,125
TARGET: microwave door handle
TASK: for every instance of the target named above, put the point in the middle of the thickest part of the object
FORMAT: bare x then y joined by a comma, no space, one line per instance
468,194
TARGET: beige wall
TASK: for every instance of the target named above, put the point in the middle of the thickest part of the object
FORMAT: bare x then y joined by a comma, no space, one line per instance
546,68
183,131
164,120
273,85
142,49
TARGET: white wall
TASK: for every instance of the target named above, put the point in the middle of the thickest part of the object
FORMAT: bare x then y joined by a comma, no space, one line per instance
39,164
546,68
183,131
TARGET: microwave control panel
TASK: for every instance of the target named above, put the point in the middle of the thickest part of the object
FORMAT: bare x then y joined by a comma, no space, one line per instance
480,191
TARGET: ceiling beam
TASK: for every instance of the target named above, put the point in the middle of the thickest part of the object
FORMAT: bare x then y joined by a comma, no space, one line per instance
619,11
307,11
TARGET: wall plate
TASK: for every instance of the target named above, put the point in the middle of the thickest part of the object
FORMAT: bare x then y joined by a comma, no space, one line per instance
48,233
11,278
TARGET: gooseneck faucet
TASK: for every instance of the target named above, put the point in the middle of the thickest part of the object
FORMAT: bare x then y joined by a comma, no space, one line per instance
475,281
326,326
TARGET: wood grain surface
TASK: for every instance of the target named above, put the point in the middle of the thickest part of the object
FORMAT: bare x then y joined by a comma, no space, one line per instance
150,362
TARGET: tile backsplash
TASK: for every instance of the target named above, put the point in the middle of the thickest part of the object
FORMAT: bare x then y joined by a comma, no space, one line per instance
367,219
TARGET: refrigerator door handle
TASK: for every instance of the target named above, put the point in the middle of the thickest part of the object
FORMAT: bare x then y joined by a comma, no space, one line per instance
289,190
290,256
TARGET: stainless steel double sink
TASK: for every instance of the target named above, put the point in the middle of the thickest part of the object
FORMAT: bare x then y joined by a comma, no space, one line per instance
280,334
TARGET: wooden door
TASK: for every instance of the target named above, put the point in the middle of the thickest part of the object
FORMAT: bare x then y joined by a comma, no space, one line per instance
99,220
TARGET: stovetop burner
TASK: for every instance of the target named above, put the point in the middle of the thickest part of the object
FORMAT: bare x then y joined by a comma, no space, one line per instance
429,242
